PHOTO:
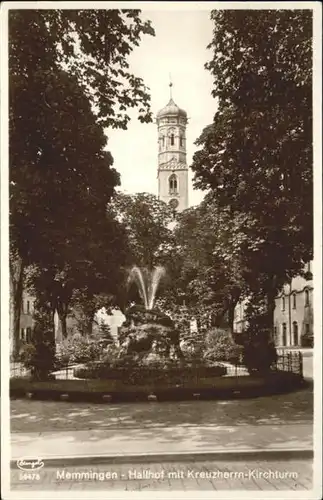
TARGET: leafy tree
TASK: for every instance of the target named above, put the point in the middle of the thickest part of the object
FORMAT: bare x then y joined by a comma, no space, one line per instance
84,273
256,156
211,271
91,45
67,71
84,305
54,196
146,220
105,334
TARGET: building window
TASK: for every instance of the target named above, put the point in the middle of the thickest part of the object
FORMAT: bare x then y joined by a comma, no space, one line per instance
283,303
28,335
172,184
307,298
307,328
162,141
22,334
295,333
172,139
28,307
284,340
181,140
294,300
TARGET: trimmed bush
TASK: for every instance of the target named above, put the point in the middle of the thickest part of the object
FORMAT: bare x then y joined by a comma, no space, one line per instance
139,375
221,347
259,352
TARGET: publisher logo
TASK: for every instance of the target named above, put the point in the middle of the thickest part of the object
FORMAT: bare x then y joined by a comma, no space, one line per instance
30,464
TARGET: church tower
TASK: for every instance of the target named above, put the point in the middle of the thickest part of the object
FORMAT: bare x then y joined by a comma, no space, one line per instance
172,167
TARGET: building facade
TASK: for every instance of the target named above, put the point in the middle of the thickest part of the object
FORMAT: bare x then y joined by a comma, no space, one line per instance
172,164
26,316
26,320
293,315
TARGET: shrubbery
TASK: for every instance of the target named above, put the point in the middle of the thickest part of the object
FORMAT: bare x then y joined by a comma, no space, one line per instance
77,350
259,352
39,355
219,346
132,374
307,340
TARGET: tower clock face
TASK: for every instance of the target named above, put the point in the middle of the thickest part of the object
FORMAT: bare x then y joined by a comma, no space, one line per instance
173,203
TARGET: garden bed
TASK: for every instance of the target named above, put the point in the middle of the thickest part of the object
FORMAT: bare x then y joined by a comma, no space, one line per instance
171,375
117,391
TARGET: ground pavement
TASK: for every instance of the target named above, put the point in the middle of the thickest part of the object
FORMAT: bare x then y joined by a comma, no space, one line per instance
268,433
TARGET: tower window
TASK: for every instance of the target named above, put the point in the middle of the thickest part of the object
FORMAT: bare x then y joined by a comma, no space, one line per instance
295,333
283,303
172,184
294,300
28,307
172,139
181,140
284,340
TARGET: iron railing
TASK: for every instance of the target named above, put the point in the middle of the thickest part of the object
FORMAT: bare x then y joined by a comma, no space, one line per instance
290,361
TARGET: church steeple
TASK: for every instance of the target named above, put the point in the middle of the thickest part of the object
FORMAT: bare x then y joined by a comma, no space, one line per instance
172,165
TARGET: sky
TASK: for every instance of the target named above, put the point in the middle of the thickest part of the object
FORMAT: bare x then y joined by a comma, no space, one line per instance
178,49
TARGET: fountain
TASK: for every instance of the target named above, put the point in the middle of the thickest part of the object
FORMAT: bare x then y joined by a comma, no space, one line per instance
147,283
148,332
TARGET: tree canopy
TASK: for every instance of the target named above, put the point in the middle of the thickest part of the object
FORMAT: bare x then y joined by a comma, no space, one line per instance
93,46
69,78
146,221
210,271
256,156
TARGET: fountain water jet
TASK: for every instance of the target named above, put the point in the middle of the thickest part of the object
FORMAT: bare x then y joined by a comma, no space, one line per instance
147,283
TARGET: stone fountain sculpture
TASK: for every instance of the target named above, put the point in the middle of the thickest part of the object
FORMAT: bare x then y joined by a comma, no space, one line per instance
148,332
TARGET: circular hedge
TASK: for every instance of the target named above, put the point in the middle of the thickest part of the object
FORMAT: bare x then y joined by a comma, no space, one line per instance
138,375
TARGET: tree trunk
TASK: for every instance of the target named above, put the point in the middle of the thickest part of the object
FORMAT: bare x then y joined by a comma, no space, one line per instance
231,316
89,324
271,296
62,310
63,324
16,278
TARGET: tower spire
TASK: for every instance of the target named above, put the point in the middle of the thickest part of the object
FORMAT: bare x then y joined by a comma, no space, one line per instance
170,87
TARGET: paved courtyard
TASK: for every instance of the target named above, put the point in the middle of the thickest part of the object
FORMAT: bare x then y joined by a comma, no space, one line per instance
55,416
219,475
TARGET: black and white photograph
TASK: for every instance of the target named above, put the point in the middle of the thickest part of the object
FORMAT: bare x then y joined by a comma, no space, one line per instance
161,249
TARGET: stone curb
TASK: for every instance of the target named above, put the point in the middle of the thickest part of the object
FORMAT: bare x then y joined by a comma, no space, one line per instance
242,455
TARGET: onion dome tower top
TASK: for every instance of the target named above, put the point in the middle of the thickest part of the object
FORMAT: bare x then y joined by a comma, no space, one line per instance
171,109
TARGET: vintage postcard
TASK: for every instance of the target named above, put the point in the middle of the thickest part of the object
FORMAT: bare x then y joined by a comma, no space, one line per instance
161,249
